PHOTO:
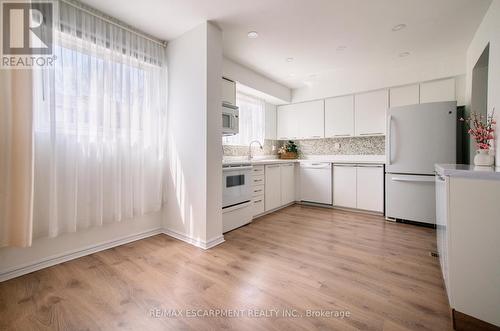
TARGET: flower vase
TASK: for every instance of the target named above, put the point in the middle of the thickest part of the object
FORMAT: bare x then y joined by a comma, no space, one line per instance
483,158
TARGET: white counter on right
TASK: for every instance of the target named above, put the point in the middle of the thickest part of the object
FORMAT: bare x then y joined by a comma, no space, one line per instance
468,237
468,171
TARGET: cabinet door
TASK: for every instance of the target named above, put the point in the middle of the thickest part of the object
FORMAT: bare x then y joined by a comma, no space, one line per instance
344,186
287,183
369,110
441,225
270,122
228,91
339,117
288,122
370,187
311,122
404,95
436,91
272,187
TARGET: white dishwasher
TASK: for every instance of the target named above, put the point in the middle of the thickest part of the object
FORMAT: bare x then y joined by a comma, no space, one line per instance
316,182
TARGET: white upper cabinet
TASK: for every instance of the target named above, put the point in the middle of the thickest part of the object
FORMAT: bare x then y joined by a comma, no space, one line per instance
404,95
436,91
370,111
312,119
228,91
301,120
270,122
288,122
339,117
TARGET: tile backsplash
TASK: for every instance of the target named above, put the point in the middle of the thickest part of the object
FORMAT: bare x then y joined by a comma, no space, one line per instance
328,146
343,146
231,150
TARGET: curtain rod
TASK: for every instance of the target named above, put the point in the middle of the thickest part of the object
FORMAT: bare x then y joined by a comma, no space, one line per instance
122,26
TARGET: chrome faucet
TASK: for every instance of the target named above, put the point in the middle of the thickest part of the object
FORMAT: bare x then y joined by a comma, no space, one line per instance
250,148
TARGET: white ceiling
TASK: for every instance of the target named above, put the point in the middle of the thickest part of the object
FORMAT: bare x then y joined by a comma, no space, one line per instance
310,31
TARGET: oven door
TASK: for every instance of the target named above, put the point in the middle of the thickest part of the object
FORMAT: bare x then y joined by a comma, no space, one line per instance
236,185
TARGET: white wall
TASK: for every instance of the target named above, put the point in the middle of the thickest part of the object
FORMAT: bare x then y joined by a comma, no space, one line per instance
488,32
279,93
194,198
373,78
214,133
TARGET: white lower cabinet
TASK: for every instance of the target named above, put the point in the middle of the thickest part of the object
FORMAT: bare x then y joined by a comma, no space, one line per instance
370,187
258,190
258,205
467,212
287,183
439,90
272,187
359,187
344,186
279,185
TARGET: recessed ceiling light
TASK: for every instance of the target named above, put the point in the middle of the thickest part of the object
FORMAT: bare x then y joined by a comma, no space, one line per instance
341,48
252,34
292,75
398,27
404,54
289,59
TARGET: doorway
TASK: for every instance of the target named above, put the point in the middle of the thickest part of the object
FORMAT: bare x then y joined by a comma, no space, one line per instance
479,96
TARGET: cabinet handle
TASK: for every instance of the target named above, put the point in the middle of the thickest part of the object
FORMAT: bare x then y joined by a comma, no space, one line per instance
316,136
273,166
257,201
369,165
258,190
258,180
372,134
440,178
341,135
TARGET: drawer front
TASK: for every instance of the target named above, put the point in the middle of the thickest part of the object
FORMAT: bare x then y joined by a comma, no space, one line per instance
258,180
258,190
410,197
258,205
258,170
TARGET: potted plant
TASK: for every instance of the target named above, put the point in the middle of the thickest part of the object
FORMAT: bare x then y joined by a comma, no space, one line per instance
289,150
482,129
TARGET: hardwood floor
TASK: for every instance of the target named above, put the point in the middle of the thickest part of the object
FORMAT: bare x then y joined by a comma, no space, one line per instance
297,259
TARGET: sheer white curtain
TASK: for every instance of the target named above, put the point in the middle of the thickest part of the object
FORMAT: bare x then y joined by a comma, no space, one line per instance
251,121
99,121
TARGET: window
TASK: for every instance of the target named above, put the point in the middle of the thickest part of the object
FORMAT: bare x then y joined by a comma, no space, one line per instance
100,126
252,121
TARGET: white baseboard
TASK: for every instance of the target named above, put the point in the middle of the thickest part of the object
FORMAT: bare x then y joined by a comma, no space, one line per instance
275,209
60,258
56,259
195,242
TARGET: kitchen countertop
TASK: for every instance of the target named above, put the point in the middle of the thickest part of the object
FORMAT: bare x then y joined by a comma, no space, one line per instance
468,171
354,159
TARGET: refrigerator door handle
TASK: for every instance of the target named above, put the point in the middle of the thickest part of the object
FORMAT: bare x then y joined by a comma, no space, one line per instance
389,138
407,179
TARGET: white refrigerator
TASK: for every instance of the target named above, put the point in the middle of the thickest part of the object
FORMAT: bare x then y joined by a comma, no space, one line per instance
418,137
